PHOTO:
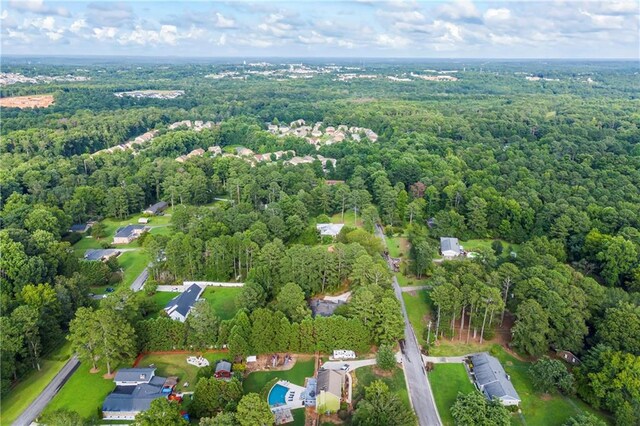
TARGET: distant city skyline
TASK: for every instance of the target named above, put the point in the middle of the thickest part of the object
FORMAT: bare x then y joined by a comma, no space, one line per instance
306,29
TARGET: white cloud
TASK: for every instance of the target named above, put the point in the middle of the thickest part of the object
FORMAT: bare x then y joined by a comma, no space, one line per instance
77,26
392,41
105,33
274,24
37,6
45,24
497,15
459,10
222,22
4,15
54,35
18,35
604,21
403,16
168,35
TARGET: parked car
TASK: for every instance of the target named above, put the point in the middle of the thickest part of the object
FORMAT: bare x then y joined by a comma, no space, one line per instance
345,367
109,290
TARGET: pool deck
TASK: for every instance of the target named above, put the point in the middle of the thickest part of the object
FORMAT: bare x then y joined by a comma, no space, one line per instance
291,403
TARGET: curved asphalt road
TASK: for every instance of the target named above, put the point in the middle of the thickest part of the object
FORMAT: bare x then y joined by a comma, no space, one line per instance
419,388
37,406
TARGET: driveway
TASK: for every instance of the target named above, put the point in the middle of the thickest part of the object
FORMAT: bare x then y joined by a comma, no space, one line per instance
420,393
137,284
37,406
353,364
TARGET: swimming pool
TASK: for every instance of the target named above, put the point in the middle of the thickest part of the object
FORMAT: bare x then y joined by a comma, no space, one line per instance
277,395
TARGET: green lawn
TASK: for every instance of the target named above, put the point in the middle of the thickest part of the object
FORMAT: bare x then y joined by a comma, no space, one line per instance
446,381
298,417
83,393
398,246
472,245
133,262
160,299
418,307
84,244
349,219
176,365
366,375
111,225
29,387
537,408
222,300
256,381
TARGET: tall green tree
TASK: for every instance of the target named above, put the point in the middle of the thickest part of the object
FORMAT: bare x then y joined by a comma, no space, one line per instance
474,409
254,411
162,412
531,328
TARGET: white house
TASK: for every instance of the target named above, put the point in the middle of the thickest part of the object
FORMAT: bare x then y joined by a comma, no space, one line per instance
180,306
450,247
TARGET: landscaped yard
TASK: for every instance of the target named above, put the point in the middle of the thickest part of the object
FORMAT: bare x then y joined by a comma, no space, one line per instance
446,381
408,281
132,262
349,219
537,408
83,393
418,307
176,365
222,300
301,370
473,245
398,246
84,244
30,386
366,375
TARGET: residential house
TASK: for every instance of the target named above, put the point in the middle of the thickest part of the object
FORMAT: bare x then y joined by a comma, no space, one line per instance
128,233
143,220
332,182
135,389
244,152
272,128
156,208
329,229
450,247
80,227
216,150
102,255
223,370
181,159
180,306
196,153
330,130
329,390
491,379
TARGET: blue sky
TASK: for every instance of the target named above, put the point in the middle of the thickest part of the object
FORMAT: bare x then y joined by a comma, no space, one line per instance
359,28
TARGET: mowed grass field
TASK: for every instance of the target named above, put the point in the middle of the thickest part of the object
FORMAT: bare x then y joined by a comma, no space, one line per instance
176,365
398,246
418,308
221,299
446,381
302,369
349,219
29,387
83,393
397,385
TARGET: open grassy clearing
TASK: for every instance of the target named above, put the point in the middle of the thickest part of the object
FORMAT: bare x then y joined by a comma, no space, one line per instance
221,300
446,381
349,219
418,308
133,263
83,393
29,387
398,246
176,365
301,370
472,245
410,281
30,101
85,244
366,375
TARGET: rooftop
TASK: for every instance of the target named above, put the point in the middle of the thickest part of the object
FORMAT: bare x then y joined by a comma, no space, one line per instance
491,377
329,229
129,230
185,300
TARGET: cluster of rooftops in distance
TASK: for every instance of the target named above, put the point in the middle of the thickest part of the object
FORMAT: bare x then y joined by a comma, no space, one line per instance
319,135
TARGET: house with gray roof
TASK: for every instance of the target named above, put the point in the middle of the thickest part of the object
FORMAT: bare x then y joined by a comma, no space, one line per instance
128,233
491,379
223,370
179,307
80,227
158,207
329,229
450,247
101,255
329,390
135,389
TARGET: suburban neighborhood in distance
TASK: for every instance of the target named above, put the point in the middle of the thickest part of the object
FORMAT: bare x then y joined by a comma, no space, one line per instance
358,213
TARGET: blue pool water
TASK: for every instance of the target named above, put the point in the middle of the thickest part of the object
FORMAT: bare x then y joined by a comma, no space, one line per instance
277,395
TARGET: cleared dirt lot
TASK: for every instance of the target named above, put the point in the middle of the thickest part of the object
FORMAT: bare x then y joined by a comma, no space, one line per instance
31,101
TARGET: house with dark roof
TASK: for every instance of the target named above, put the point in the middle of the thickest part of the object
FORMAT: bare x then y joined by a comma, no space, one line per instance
156,208
179,307
329,390
223,370
135,389
128,233
80,227
101,255
491,379
450,247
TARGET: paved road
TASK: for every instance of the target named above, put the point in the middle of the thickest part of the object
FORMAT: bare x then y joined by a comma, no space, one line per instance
137,284
414,372
38,404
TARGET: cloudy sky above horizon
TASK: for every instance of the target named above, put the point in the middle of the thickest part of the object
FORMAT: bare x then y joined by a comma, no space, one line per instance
359,28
